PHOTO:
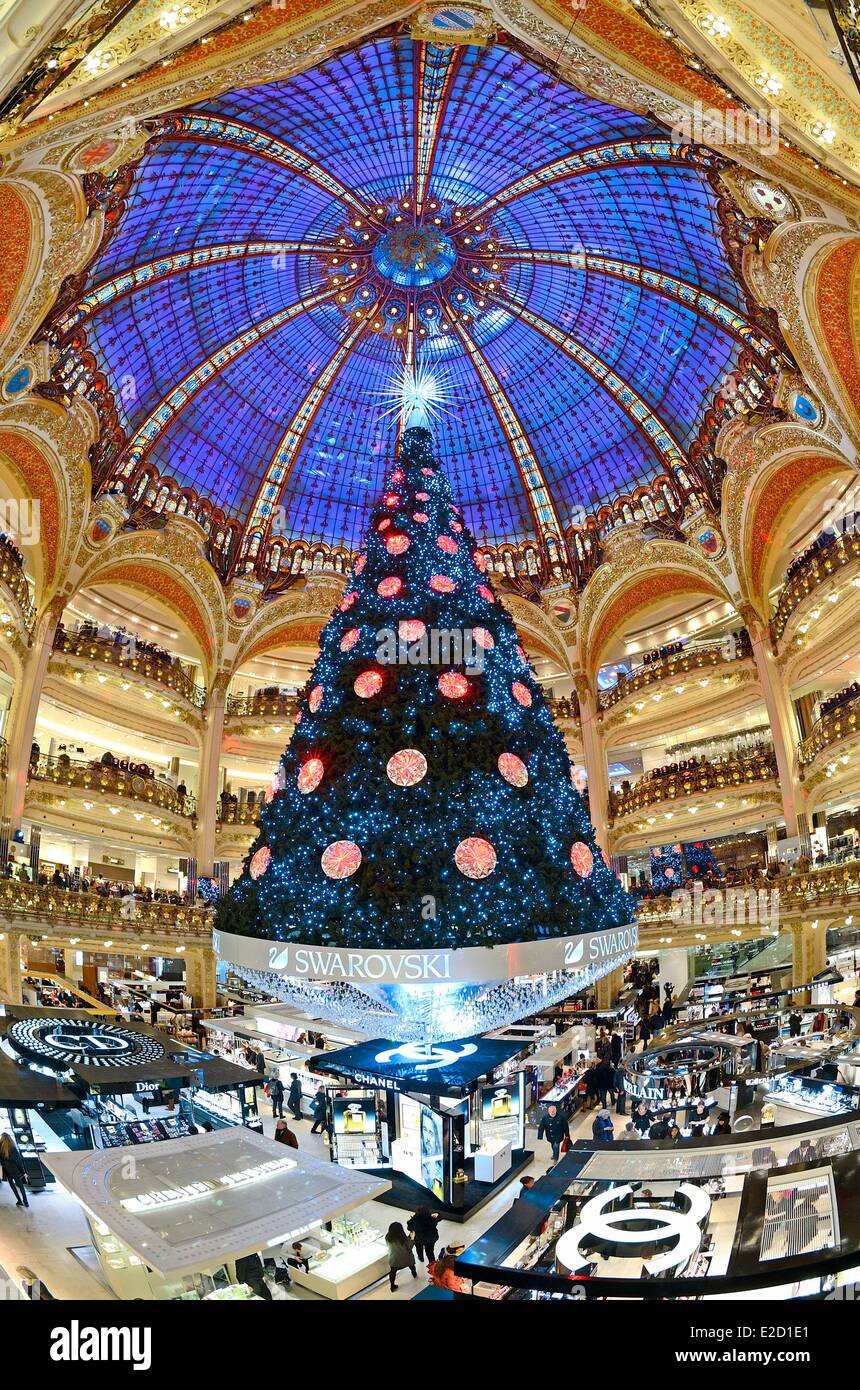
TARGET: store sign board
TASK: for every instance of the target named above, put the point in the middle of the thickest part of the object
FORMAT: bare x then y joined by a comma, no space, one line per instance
470,965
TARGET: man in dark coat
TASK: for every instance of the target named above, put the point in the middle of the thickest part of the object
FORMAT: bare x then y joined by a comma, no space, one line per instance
555,1129
294,1096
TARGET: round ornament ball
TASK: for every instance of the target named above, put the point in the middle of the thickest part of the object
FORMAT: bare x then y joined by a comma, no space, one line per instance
406,768
475,857
260,862
582,859
513,769
340,859
310,775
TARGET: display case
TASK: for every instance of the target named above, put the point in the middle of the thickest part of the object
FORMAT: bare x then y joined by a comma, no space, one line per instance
344,1261
812,1097
15,1121
492,1160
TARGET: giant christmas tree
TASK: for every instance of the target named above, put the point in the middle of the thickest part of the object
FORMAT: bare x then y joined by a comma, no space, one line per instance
427,797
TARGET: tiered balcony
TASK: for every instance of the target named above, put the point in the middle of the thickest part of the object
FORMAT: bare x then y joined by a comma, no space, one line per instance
90,798
13,579
129,658
811,574
828,754
240,813
101,922
660,697
263,704
720,792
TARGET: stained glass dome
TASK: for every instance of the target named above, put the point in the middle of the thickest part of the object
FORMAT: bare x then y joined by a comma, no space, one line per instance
552,263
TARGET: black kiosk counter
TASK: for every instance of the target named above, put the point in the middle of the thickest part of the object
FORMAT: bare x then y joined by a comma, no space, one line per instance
443,1122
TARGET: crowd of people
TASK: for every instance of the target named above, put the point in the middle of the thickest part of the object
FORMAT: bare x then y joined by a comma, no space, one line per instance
822,542
96,884
10,549
842,697
129,643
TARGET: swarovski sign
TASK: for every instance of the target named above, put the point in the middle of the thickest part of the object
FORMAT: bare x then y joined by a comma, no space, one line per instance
470,965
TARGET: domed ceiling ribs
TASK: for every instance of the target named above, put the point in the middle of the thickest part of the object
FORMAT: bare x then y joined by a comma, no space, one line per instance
285,252
659,283
168,409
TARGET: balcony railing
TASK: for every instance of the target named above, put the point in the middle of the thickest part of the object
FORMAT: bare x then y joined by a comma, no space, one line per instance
32,903
264,703
814,571
831,728
687,663
242,813
720,775
4,757
12,575
563,706
112,781
128,656
832,885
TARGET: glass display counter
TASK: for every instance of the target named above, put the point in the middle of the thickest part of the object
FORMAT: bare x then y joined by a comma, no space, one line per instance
343,1262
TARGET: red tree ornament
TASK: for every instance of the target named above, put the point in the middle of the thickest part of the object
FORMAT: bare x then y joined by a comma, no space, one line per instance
310,775
349,639
513,769
390,587
453,686
406,767
521,694
581,858
340,859
485,640
411,630
448,544
486,593
315,699
441,584
368,684
260,862
396,543
475,857
347,601
420,516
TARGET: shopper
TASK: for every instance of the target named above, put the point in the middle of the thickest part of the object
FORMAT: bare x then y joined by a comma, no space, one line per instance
723,1125
320,1111
401,1255
620,1093
425,1232
12,1169
276,1096
294,1098
617,1047
642,1117
806,1152
794,1022
604,1079
699,1118
555,1129
601,1129
284,1135
443,1276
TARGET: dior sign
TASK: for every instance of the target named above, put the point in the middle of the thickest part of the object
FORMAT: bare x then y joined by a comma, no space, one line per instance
472,964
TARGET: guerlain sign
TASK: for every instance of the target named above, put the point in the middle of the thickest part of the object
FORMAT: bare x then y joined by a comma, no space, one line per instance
471,964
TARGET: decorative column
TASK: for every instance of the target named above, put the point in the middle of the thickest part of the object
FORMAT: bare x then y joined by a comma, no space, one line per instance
10,967
609,987
25,708
207,776
200,964
808,952
594,757
780,713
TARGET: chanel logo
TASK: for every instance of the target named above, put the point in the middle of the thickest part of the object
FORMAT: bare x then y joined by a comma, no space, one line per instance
628,1226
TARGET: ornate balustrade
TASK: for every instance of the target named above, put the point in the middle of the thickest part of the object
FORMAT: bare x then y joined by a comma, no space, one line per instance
835,885
130,657
112,781
262,704
563,706
719,775
13,576
690,662
814,571
242,813
831,728
27,902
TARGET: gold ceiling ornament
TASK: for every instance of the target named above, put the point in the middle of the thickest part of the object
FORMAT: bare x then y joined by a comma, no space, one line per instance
453,25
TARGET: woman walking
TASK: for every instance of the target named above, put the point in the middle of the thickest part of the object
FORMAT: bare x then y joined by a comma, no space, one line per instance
400,1253
12,1169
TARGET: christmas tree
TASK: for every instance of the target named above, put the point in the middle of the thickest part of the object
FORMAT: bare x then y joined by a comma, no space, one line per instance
426,794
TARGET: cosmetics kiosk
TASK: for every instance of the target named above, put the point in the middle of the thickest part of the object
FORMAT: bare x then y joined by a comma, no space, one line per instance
174,1222
123,1082
444,1123
712,1220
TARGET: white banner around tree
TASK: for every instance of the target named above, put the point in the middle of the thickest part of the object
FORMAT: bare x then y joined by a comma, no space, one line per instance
469,965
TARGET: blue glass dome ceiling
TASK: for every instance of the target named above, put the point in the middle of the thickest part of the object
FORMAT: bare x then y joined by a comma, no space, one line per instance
570,291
